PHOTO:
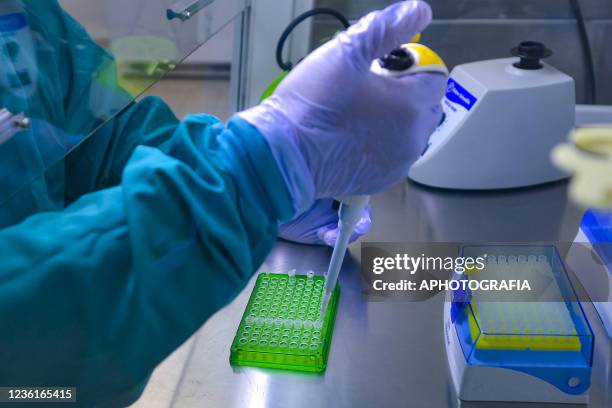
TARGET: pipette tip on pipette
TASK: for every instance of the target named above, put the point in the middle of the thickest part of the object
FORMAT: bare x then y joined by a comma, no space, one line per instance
324,303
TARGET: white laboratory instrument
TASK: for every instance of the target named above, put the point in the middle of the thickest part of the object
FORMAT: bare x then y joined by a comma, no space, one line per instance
519,349
502,118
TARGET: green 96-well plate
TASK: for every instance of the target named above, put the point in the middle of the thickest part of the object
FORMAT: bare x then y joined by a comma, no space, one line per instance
280,327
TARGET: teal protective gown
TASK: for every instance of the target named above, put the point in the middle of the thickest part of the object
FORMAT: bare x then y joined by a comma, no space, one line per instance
113,255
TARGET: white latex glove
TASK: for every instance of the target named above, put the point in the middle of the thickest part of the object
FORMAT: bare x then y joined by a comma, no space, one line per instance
337,129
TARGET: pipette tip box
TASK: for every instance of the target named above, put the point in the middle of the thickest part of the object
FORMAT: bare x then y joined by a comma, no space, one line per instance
521,350
281,326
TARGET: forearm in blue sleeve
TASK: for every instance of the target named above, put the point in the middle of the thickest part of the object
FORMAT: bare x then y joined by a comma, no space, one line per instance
97,295
98,162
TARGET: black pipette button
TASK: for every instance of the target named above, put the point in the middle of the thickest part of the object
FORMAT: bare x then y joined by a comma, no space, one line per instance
399,59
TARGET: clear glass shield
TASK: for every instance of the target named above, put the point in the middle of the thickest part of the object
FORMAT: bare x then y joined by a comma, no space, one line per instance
69,67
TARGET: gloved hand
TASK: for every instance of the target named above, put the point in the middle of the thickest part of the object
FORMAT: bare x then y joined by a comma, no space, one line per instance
337,129
319,225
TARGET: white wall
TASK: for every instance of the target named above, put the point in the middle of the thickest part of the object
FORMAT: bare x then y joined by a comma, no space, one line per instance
217,50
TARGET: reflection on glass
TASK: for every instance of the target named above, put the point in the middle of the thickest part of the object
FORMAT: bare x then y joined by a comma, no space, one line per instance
66,69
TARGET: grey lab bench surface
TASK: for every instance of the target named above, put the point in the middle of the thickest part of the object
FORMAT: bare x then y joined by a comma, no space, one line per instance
384,354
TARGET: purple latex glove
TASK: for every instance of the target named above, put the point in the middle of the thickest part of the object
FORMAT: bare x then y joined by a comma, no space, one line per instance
337,129
319,225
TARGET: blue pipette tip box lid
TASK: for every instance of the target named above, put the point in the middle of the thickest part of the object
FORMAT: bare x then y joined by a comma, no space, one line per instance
550,340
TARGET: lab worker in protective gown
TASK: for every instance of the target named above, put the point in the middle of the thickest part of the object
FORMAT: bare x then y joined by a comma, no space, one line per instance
123,230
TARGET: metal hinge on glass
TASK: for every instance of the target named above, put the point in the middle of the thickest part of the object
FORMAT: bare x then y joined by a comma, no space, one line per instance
11,124
185,9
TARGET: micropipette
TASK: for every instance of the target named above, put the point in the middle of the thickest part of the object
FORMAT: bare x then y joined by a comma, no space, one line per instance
406,60
349,214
